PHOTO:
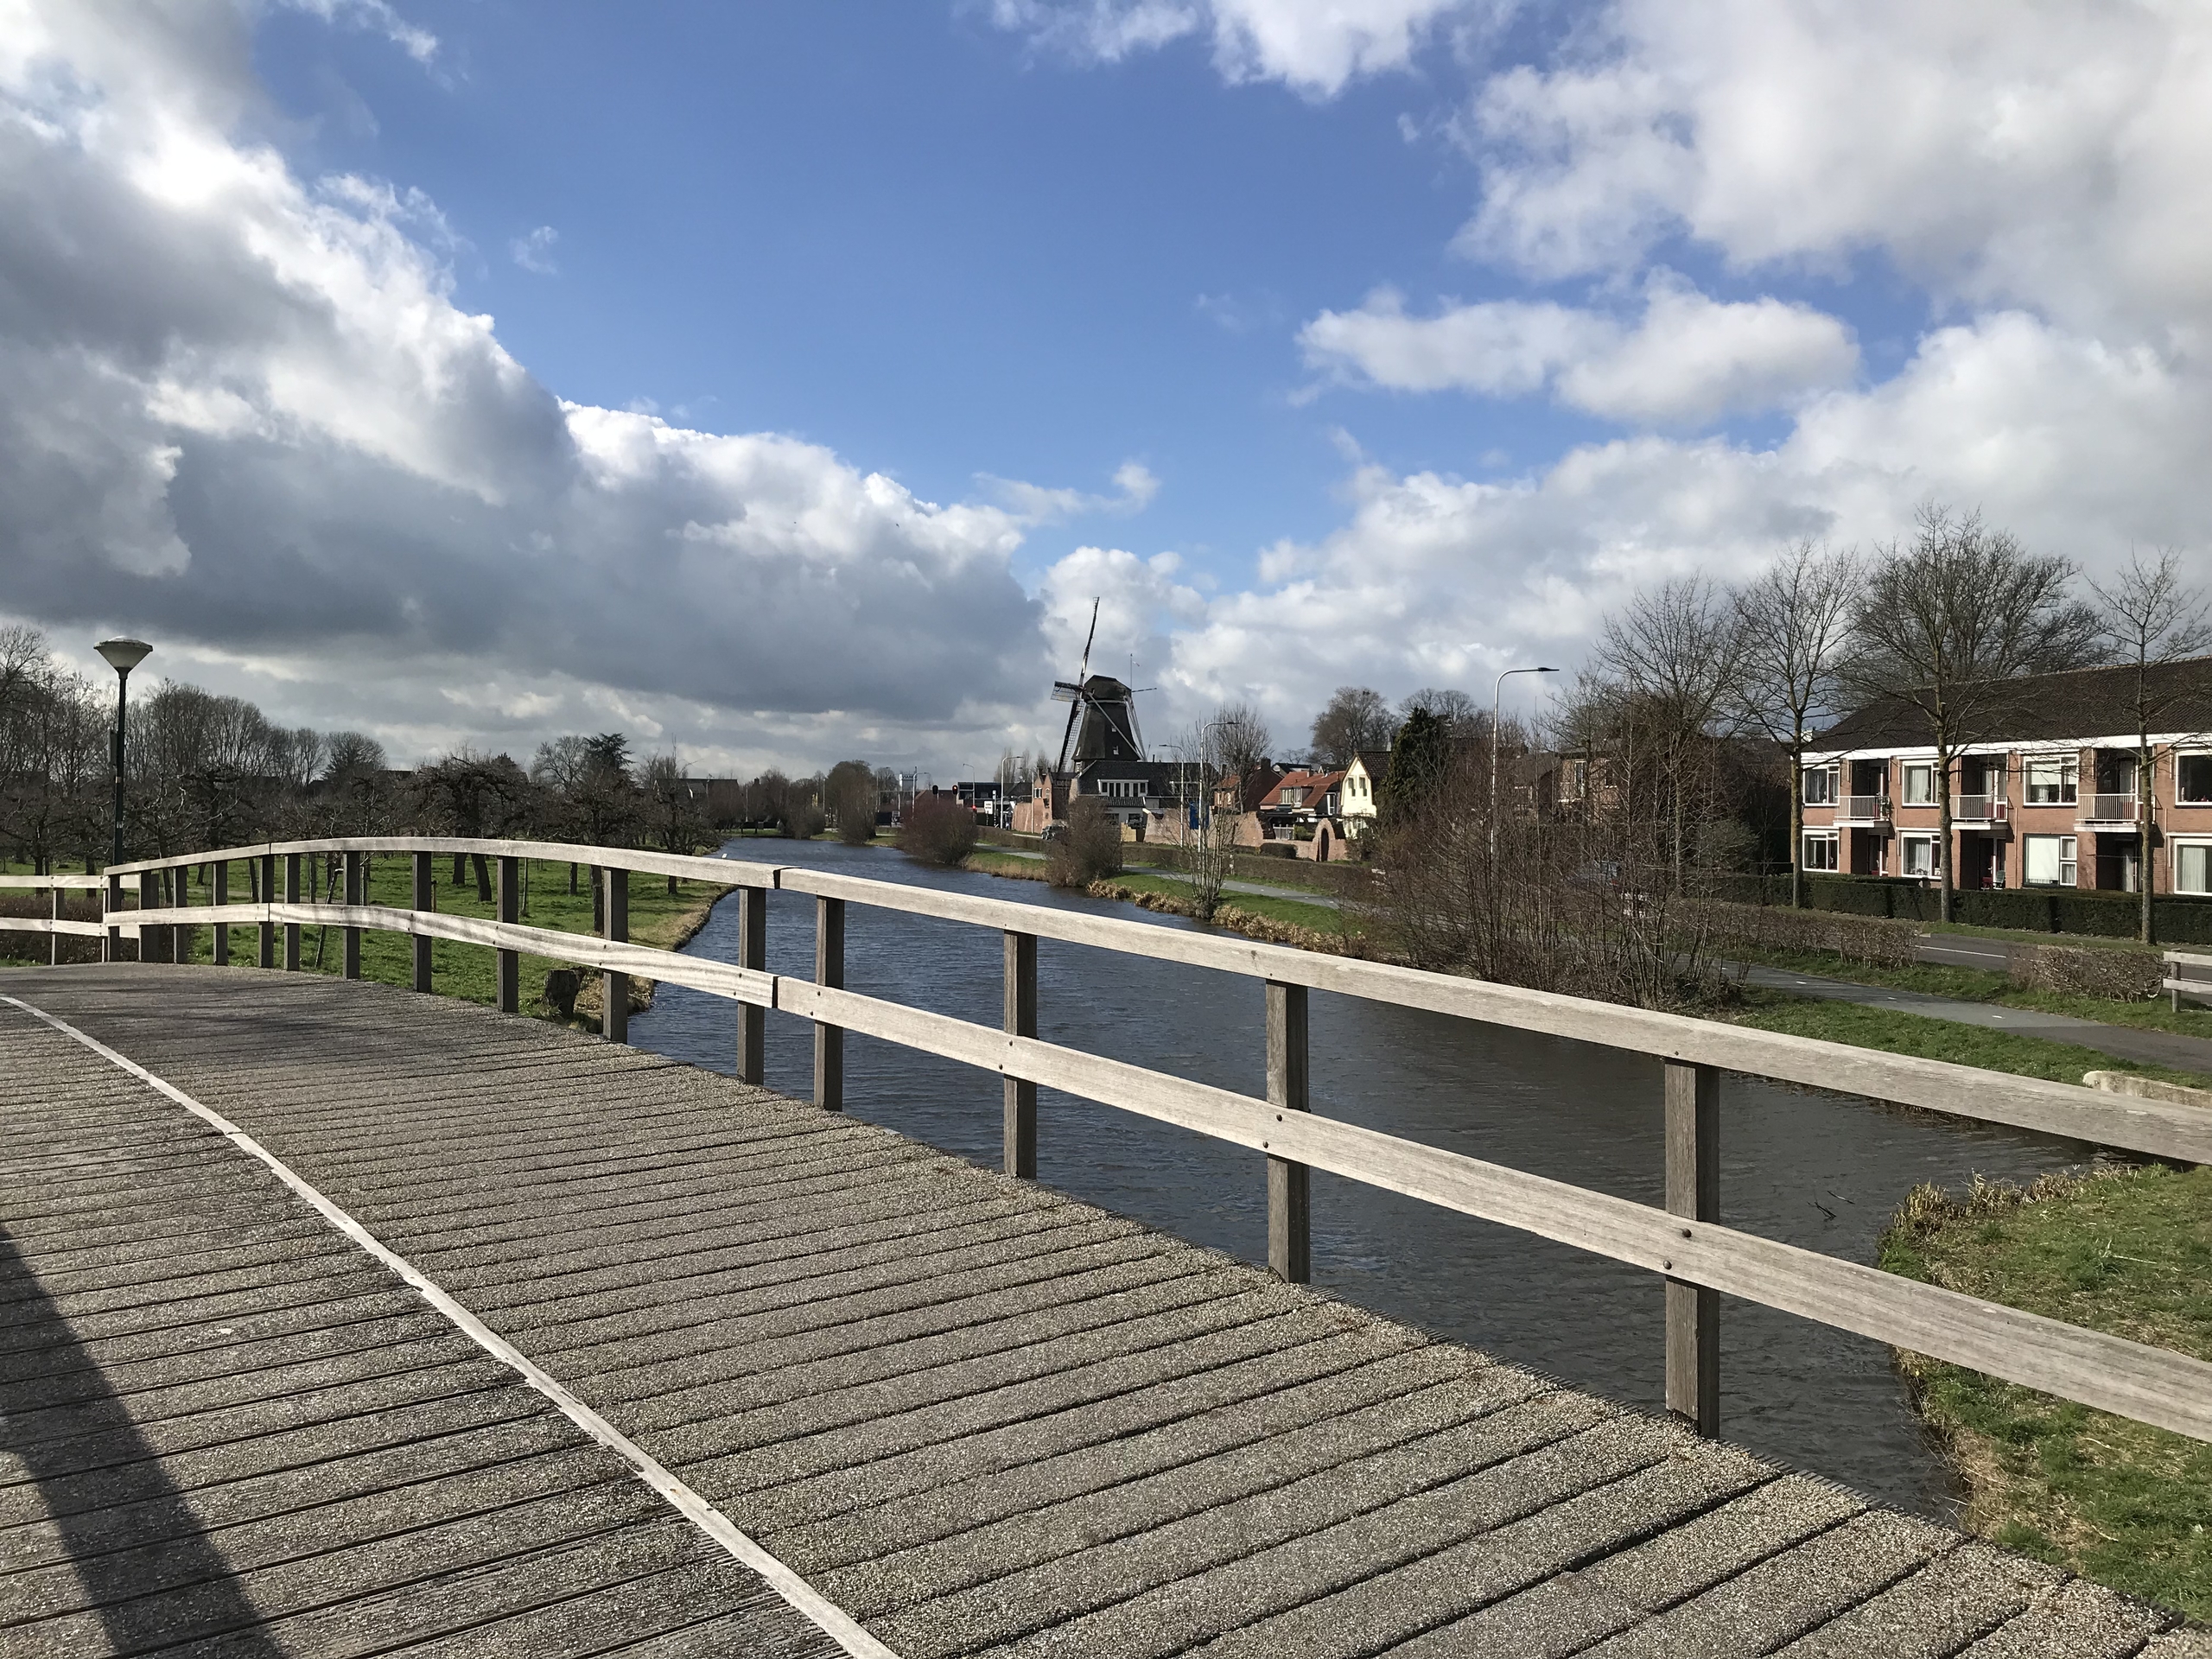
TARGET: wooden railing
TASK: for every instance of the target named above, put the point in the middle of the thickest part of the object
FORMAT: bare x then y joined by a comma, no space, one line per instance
54,925
1699,1259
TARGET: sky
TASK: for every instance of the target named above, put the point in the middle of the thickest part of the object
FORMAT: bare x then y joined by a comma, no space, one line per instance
785,381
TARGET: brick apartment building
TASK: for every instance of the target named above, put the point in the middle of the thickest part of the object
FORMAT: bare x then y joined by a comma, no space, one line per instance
2046,796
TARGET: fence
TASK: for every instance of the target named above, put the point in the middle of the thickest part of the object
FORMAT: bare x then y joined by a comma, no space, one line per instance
54,925
1699,1259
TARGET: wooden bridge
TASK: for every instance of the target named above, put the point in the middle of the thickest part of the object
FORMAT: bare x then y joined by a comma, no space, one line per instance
349,1321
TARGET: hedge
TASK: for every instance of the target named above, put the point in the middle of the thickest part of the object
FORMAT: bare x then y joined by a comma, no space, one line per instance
2179,918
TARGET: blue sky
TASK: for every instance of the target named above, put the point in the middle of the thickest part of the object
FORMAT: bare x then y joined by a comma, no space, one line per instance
783,380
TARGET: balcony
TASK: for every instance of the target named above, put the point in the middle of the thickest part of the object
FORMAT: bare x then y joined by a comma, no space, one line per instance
1862,809
1991,810
2116,811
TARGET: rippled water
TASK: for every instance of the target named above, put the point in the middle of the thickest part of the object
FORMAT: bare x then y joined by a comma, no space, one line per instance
1813,1169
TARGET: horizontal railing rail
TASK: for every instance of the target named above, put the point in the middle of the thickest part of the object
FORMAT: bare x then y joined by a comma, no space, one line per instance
2112,809
54,923
1699,1258
1866,809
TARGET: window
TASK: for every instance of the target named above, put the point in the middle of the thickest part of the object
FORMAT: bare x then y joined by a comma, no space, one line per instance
2050,861
2053,782
1919,783
1820,852
1820,785
1919,850
2192,867
1125,789
2194,779
1293,797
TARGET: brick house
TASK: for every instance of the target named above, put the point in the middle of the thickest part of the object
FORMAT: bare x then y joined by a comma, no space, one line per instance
2046,796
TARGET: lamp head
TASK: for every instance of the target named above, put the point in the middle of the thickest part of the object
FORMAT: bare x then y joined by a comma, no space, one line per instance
124,655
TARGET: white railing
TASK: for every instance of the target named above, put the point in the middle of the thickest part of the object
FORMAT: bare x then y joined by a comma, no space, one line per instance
1979,809
54,923
1864,809
1700,1259
2111,809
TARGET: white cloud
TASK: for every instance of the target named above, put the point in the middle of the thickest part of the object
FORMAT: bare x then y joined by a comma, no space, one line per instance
378,16
1134,487
1689,360
1314,46
534,252
2051,158
241,414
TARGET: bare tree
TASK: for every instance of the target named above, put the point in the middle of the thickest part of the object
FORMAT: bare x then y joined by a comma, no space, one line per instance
672,812
1676,650
1357,718
2150,615
1793,621
1239,738
1942,625
1211,760
1461,712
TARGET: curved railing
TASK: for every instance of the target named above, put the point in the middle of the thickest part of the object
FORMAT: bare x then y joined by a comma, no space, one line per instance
1683,1242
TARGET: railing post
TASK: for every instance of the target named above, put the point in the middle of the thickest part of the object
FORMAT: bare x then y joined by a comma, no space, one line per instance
219,891
830,970
266,880
426,898
353,897
54,936
155,943
751,952
111,905
1693,1192
508,963
614,1004
291,897
1021,1021
1290,1244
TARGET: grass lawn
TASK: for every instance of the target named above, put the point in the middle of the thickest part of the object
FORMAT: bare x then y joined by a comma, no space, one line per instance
656,917
1939,1039
1320,918
2123,1251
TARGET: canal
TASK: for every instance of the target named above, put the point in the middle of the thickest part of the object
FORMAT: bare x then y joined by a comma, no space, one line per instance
1819,1170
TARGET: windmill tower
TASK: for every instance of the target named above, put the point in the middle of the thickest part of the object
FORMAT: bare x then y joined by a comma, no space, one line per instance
1102,714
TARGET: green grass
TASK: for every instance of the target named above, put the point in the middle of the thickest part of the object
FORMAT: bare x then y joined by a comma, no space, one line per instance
1939,1039
2128,1252
465,971
2028,936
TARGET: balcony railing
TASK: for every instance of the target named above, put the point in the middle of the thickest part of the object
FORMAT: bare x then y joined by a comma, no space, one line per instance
1863,809
1979,809
2111,809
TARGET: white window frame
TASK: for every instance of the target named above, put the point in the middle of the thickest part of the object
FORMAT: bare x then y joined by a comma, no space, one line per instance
2182,846
1122,789
2066,788
2190,754
1926,770
1820,785
1833,852
2065,861
1905,844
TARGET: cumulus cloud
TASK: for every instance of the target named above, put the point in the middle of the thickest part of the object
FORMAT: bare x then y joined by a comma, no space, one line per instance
1134,487
240,412
2049,160
1687,361
1315,48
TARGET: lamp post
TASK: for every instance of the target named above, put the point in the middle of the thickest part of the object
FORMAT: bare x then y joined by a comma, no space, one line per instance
123,655
1495,691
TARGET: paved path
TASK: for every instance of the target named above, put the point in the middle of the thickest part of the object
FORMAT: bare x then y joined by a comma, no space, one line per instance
978,1417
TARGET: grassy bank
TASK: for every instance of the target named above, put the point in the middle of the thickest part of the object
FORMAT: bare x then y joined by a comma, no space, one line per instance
2123,1251
1163,892
1939,1039
656,917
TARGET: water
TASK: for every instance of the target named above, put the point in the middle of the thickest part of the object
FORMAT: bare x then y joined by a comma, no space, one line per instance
1822,1170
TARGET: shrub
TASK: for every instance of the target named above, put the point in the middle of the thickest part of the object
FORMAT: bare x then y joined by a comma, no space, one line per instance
1090,848
804,824
2070,970
938,832
1876,941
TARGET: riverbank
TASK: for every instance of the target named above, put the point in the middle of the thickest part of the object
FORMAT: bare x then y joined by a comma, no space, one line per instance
2125,1250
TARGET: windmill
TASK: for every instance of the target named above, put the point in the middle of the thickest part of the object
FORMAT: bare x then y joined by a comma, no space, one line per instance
1101,716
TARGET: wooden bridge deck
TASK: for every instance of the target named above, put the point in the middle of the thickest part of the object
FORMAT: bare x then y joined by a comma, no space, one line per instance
976,1415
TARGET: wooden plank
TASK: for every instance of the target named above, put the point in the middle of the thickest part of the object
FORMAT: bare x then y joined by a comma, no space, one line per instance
753,953
723,872
292,928
1020,1134
614,1006
2153,1385
1290,1204
1693,1190
507,964
426,898
265,885
160,945
219,892
73,883
828,974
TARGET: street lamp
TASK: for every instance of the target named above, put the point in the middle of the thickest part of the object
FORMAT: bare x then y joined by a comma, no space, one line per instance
1494,693
123,655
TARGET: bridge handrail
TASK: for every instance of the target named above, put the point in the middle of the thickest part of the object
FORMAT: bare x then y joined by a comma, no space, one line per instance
1695,1252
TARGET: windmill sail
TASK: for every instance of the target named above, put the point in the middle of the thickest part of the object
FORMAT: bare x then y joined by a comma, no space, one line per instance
1075,698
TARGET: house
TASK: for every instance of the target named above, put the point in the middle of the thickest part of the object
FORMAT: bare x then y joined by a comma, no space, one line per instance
1304,809
1362,790
2045,795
